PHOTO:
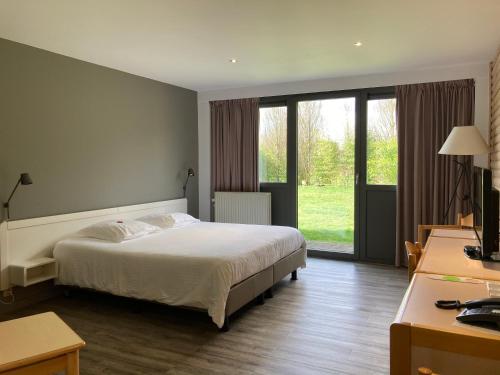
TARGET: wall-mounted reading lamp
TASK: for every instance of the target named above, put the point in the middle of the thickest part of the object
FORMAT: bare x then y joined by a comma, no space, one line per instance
190,174
24,179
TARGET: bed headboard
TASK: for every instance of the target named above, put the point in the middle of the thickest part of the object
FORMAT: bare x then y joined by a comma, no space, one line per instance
21,240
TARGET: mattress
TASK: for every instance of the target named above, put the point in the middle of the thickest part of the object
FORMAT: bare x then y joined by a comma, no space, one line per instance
192,266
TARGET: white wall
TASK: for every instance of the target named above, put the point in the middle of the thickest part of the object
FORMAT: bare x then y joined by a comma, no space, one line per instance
479,71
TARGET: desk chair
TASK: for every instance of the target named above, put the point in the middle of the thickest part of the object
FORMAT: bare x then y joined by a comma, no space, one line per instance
413,252
462,222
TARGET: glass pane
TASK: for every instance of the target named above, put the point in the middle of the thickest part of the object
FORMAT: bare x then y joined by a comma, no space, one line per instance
382,144
326,175
272,144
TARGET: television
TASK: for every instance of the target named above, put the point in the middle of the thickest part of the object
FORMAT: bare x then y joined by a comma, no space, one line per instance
485,204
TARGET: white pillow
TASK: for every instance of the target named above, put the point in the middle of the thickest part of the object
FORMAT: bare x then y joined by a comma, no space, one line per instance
172,220
118,230
181,219
163,221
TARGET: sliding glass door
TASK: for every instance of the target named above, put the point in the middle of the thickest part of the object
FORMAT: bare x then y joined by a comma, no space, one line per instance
326,173
330,162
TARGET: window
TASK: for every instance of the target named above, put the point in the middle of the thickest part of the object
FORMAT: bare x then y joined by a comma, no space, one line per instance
382,144
272,144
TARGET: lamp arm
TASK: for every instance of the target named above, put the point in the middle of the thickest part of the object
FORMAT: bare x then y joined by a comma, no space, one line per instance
468,181
6,205
463,165
185,186
462,170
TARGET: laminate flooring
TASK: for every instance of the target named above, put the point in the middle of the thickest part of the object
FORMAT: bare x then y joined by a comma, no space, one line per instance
334,320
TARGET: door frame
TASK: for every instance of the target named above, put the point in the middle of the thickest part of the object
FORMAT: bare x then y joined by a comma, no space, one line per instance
364,187
291,186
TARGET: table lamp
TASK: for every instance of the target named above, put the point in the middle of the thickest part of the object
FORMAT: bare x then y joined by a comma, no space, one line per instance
466,141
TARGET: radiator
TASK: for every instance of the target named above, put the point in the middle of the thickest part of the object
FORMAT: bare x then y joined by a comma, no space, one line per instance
243,208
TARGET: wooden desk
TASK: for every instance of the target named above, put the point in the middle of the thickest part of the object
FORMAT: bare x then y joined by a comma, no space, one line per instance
467,234
39,344
424,336
445,256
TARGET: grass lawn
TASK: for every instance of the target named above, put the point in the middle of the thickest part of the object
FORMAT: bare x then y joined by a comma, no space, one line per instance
326,213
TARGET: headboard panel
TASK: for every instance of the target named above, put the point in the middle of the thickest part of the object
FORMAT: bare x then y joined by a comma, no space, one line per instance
22,240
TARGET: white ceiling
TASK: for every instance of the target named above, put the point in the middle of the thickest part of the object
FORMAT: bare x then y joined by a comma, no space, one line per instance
189,42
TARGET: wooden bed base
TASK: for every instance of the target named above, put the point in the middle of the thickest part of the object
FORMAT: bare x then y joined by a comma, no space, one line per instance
261,284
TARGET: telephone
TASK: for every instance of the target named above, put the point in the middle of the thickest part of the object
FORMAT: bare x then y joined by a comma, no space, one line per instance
480,311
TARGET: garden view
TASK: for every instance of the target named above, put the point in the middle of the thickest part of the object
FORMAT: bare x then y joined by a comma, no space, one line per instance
326,160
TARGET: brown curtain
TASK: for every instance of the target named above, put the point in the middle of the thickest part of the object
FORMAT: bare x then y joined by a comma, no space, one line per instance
426,114
235,144
495,119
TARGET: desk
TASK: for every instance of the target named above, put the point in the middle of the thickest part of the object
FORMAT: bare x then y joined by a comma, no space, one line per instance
454,233
38,344
425,336
445,256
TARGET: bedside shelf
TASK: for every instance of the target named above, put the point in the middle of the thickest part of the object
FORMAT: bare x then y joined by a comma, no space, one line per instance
33,271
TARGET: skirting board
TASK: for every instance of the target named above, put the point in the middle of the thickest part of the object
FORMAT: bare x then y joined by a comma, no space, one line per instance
22,240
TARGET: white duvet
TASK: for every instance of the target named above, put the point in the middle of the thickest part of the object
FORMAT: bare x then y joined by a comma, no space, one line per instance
190,266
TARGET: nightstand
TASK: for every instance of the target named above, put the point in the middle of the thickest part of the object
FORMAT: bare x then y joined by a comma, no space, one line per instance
33,271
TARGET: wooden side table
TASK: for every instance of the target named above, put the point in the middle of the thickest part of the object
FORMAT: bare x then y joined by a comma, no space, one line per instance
40,344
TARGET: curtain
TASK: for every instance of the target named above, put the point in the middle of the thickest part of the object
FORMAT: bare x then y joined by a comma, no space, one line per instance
235,145
426,114
495,120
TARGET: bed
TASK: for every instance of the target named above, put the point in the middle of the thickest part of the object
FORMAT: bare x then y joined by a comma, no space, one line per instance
211,266
242,262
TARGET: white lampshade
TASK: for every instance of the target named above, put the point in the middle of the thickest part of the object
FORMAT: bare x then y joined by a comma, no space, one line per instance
464,140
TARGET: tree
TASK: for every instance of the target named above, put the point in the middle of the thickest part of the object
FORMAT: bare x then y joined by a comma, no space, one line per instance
382,119
310,123
348,151
382,142
273,144
325,160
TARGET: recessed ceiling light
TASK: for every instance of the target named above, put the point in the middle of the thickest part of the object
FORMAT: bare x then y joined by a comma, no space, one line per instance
358,44
234,61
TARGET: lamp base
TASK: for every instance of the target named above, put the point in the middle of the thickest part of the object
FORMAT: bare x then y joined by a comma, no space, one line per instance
475,253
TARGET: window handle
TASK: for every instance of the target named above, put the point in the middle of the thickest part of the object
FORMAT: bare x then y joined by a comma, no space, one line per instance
357,178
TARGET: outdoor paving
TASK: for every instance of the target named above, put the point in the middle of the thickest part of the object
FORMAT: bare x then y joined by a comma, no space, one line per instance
330,247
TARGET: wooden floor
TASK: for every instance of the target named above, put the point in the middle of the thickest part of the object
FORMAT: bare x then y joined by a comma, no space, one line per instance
333,320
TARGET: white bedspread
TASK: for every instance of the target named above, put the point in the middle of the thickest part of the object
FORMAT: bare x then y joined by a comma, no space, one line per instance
191,266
